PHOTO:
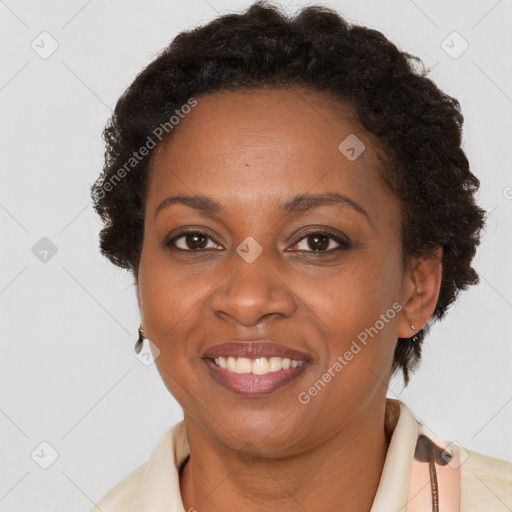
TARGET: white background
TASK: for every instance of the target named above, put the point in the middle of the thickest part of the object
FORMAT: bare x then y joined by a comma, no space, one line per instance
68,373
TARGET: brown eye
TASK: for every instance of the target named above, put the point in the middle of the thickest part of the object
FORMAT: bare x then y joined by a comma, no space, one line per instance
190,241
321,242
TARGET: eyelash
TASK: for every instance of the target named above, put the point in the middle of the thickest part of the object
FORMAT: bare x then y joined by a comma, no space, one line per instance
343,244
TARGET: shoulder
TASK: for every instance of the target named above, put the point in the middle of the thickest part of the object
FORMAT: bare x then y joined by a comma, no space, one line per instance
485,482
155,482
124,495
468,481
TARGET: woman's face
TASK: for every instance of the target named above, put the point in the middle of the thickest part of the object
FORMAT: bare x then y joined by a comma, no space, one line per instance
262,271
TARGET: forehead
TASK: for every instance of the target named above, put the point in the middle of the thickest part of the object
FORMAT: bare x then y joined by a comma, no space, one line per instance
267,145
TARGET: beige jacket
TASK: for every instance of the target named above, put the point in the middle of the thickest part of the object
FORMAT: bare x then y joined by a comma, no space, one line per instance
466,481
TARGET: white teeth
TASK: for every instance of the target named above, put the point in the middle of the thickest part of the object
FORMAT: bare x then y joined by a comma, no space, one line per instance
258,366
275,364
243,365
231,364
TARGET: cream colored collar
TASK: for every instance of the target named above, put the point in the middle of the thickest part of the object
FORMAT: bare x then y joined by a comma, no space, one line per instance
404,484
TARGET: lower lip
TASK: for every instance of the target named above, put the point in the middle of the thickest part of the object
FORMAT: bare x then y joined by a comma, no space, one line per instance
249,384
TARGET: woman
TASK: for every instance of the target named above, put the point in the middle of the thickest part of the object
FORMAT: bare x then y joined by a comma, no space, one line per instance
293,201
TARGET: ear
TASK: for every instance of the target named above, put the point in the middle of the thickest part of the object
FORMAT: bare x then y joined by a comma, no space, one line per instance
422,282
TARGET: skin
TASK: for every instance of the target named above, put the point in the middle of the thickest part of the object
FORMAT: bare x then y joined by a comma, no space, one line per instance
251,151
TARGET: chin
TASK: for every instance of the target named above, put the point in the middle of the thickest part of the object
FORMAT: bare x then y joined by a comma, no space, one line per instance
263,432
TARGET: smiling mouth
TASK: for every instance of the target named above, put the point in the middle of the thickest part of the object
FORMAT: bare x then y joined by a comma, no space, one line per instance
257,366
254,377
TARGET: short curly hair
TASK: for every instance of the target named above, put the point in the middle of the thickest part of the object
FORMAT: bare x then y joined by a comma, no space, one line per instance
418,129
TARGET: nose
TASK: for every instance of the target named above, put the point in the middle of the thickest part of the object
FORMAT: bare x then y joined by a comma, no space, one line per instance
251,291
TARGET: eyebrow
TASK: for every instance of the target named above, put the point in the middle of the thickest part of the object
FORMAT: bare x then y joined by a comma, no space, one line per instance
300,203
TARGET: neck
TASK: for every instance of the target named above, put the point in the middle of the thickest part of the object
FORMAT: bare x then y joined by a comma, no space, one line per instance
341,474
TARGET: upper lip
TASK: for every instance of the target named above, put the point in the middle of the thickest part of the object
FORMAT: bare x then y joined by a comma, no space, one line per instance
252,349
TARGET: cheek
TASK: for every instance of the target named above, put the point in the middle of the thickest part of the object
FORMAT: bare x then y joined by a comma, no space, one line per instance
358,311
357,307
173,303
164,299
352,298
170,304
